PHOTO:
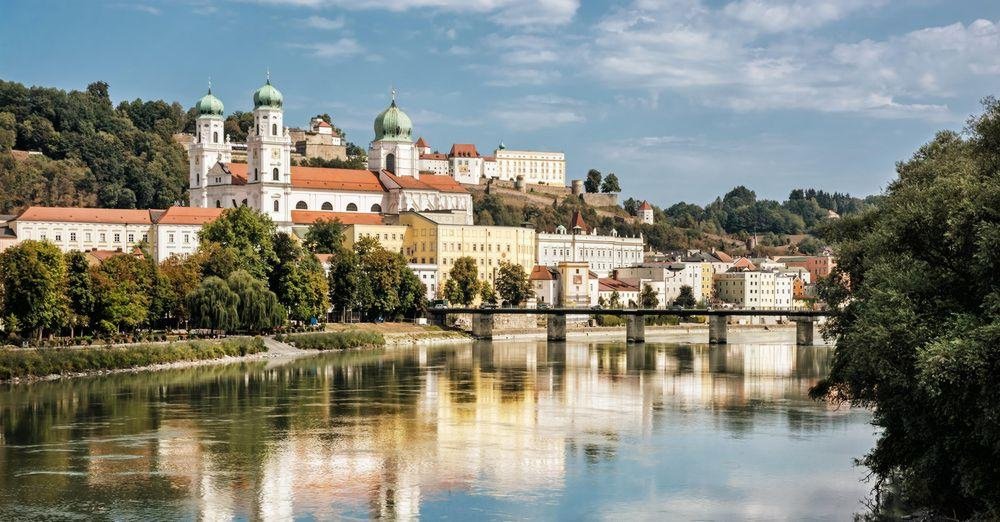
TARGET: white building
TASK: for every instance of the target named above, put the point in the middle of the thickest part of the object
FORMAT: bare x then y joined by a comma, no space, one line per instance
85,229
604,253
267,181
537,167
646,213
666,278
545,283
754,289
427,273
176,230
465,163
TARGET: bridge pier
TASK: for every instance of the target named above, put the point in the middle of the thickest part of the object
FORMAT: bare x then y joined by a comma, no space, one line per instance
635,328
439,319
804,330
717,329
556,329
482,326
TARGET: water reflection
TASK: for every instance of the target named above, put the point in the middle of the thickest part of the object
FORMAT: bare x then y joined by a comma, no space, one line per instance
508,429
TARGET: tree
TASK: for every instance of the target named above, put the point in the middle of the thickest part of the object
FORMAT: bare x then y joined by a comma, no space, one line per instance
513,284
810,246
648,297
259,309
412,293
487,294
631,205
122,287
915,304
616,300
610,184
325,236
466,277
344,280
214,306
685,298
8,132
182,276
33,278
593,182
79,290
251,236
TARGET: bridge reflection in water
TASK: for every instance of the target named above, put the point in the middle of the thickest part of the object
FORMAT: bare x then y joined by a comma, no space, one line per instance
431,431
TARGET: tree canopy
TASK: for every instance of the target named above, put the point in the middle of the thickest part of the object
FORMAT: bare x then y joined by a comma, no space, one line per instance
463,286
249,236
915,300
512,284
592,183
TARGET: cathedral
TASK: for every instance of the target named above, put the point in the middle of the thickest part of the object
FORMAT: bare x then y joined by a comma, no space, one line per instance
293,195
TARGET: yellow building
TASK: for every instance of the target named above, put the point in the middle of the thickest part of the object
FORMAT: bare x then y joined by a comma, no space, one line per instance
436,239
391,237
707,280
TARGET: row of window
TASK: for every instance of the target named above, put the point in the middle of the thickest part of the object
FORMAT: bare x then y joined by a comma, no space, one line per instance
102,237
351,207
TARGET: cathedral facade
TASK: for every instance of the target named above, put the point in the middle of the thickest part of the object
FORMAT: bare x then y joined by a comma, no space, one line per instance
294,195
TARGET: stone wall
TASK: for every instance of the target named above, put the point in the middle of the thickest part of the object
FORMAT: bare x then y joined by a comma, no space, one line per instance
601,200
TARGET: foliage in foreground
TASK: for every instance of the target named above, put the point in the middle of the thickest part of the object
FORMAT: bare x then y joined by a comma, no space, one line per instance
16,363
334,340
916,301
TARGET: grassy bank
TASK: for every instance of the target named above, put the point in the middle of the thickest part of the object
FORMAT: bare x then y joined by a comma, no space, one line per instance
334,340
21,363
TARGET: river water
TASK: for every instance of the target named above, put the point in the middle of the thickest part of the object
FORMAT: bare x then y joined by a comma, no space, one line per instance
502,430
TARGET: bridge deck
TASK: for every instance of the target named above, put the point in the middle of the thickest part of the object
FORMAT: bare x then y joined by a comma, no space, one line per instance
687,312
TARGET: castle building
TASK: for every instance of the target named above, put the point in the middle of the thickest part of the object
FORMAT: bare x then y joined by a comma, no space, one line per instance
535,167
269,183
646,213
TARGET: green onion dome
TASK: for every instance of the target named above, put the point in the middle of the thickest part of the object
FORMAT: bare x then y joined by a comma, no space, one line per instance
267,96
393,124
209,105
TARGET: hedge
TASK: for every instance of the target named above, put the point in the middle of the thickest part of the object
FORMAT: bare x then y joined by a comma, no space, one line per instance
334,340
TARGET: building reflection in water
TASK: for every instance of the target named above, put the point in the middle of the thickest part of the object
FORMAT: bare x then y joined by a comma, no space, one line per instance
381,435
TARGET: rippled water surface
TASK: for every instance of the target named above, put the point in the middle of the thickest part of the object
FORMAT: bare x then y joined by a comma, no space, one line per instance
497,431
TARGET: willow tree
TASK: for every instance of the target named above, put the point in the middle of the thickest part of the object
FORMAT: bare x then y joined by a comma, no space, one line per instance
259,309
213,305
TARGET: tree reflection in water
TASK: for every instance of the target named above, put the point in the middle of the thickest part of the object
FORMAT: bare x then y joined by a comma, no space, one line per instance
424,431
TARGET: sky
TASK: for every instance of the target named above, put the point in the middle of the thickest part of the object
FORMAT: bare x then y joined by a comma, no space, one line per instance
681,99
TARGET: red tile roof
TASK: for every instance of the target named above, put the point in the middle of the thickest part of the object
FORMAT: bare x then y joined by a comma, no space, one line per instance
434,156
609,284
578,222
308,217
645,206
421,143
322,123
442,183
489,158
86,215
324,258
320,178
189,216
101,256
744,263
541,273
463,150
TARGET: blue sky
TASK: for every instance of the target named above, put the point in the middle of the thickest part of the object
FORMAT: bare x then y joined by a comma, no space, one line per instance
682,99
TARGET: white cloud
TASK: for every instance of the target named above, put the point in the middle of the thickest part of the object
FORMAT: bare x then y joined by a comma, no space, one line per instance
327,24
342,48
536,112
503,12
718,57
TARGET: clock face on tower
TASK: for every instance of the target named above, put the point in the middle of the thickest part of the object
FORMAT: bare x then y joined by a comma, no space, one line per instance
275,154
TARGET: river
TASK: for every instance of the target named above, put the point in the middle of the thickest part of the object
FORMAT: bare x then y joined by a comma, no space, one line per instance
502,430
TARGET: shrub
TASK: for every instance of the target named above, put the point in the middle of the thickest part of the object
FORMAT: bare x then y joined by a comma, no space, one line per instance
334,340
18,363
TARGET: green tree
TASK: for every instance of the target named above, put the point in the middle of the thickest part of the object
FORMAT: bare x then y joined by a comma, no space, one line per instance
486,293
345,281
631,205
122,288
593,182
513,284
648,297
182,276
616,300
34,280
214,306
466,277
610,184
251,236
79,290
8,131
325,236
685,298
915,304
412,293
260,310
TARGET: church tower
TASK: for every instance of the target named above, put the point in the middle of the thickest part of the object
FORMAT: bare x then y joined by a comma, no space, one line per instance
393,149
269,156
209,147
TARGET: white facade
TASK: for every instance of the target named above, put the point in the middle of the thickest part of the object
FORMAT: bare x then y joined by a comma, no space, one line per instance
84,236
436,163
666,278
427,273
545,168
209,147
169,240
466,170
754,290
490,168
604,253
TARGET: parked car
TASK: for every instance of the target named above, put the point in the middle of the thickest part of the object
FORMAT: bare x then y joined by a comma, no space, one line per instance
440,303
542,306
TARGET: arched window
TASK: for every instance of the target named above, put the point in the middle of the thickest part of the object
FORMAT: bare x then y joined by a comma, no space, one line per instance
276,205
390,163
244,203
301,205
218,204
215,137
376,208
275,174
351,207
255,173
274,129
258,129
327,206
